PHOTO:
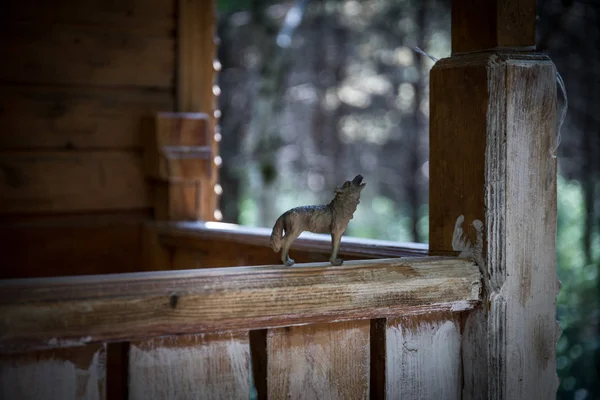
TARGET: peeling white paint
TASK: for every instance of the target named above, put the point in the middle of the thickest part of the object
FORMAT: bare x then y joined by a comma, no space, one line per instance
212,369
423,362
51,379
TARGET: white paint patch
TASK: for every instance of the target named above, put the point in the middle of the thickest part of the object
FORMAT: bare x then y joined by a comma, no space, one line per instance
55,342
467,249
461,305
424,362
212,369
50,380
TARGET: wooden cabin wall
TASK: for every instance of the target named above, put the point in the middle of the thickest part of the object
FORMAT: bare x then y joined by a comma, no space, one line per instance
77,79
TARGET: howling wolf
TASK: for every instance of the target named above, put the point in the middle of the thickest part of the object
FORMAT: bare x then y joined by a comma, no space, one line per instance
331,218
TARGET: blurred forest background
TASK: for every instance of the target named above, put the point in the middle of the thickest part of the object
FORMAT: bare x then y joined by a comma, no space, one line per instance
314,92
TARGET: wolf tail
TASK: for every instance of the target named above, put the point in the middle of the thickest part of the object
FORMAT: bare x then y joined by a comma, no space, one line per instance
277,234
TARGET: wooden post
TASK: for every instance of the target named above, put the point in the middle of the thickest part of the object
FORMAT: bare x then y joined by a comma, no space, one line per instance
493,124
182,155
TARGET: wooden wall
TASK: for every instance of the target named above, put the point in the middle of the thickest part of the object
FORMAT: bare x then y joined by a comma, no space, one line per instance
77,80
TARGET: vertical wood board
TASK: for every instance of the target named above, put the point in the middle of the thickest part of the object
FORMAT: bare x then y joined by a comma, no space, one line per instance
322,361
212,366
64,374
423,357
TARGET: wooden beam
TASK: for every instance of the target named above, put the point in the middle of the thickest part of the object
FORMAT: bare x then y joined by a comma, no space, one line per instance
493,198
196,75
194,235
492,24
78,310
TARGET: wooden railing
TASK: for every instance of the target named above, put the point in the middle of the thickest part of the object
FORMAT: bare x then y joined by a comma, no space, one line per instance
215,244
342,332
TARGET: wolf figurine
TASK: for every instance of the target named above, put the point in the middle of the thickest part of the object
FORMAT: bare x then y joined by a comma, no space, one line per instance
332,218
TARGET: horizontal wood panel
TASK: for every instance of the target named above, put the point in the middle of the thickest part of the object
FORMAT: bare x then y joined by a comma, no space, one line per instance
59,374
321,361
69,55
68,245
136,13
193,235
214,366
39,182
125,306
34,117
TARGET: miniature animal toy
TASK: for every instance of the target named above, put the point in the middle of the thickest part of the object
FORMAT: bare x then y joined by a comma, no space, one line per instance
331,218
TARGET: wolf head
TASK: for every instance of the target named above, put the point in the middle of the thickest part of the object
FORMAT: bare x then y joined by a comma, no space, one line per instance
353,186
347,196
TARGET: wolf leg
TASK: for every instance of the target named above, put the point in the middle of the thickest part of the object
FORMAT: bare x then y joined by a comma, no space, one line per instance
336,237
288,239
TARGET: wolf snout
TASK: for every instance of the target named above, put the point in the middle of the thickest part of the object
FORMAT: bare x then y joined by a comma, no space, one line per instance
357,179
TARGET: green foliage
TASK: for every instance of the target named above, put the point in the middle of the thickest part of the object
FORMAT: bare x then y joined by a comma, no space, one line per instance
578,305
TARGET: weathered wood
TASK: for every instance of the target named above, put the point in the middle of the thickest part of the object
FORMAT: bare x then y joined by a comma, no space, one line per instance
179,147
61,374
77,245
491,24
193,235
50,117
493,124
423,358
113,307
44,55
67,182
196,78
179,159
148,14
329,361
214,366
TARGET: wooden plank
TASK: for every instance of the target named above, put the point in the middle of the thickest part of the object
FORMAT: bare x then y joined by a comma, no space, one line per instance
194,235
323,361
423,357
214,366
149,14
499,187
196,77
125,306
492,24
40,182
36,117
44,55
61,374
178,149
62,246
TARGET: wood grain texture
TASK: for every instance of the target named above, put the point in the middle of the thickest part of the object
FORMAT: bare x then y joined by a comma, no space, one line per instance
423,358
71,245
196,77
502,108
179,147
147,14
323,361
68,182
491,24
114,307
43,54
193,234
49,117
214,366
62,374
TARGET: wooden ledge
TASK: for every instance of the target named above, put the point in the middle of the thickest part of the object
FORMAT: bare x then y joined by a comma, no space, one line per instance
70,311
186,234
